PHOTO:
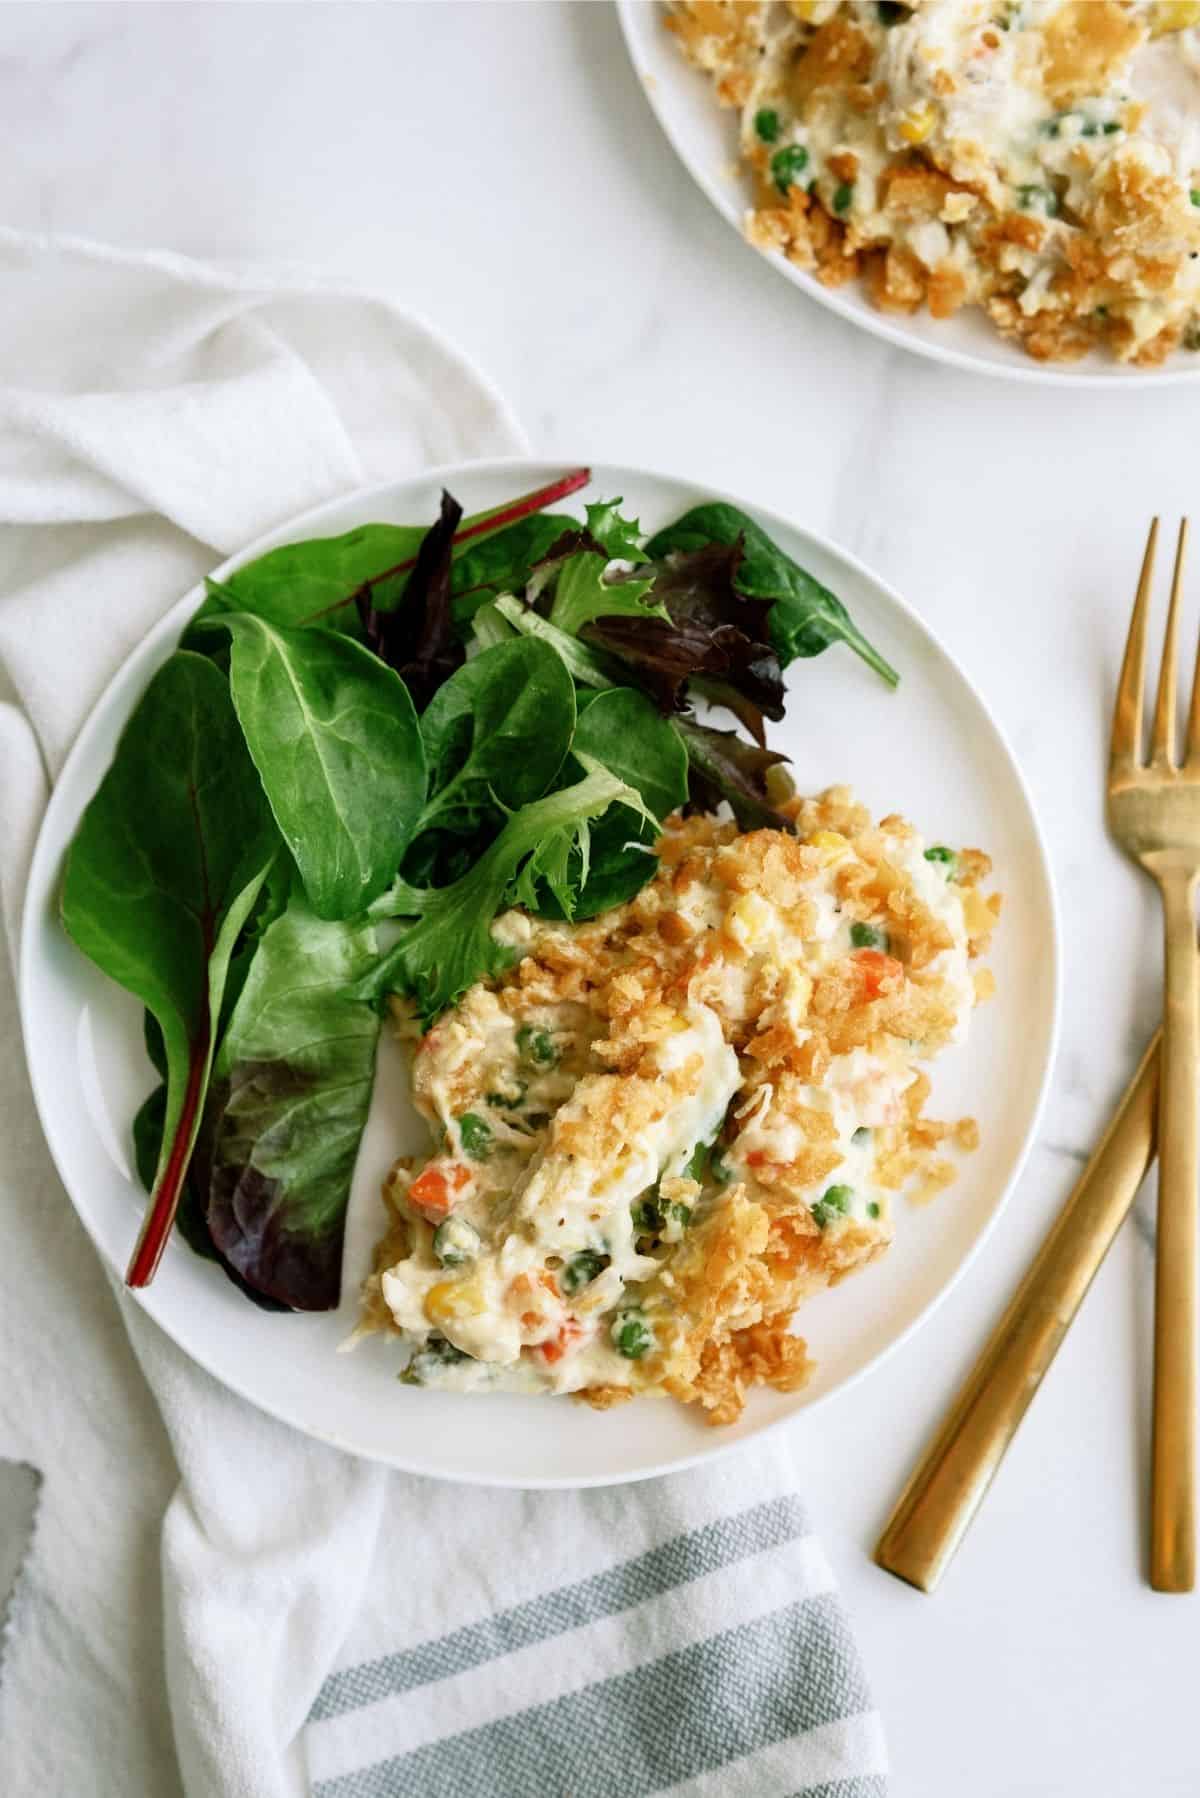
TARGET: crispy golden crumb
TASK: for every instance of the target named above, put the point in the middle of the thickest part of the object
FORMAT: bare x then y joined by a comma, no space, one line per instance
603,1398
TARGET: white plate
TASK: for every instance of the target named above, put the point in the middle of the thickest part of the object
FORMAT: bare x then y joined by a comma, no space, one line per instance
930,751
705,138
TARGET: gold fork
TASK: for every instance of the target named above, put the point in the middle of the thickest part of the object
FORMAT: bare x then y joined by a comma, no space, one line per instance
1154,813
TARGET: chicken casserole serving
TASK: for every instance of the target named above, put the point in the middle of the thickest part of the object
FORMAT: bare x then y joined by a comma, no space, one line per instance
659,1130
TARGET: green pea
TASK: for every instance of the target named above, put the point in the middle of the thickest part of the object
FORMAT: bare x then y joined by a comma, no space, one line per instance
842,196
766,124
631,1335
834,1202
867,936
1112,126
475,1134
698,1161
873,1209
455,1242
536,1047
1033,197
582,1269
947,858
647,1214
1195,196
428,1361
786,164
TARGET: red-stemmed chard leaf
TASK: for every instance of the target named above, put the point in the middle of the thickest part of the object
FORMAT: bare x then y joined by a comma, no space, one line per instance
479,526
319,580
166,865
190,1220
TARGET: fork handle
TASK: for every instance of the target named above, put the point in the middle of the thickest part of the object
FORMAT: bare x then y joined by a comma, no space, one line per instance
1173,1495
947,1486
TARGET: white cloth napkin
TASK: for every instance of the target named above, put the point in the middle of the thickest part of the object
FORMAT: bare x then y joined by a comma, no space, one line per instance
322,1623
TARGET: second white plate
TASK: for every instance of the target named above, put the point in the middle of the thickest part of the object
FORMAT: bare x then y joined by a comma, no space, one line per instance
704,137
929,750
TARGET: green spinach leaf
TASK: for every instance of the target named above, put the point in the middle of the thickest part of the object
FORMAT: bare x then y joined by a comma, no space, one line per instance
291,1091
495,735
334,736
806,617
164,870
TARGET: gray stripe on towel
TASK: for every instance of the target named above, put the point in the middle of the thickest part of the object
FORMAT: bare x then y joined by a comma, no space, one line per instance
866,1785
639,1732
673,1563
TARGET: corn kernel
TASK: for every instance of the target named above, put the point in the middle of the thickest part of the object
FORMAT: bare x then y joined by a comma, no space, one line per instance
917,122
749,919
985,985
978,915
803,9
1174,15
831,843
798,992
453,1298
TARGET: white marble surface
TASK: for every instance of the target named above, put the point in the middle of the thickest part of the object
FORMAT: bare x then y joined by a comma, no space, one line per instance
496,167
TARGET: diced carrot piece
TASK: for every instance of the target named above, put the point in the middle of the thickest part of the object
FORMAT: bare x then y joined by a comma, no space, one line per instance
557,1346
878,970
434,1190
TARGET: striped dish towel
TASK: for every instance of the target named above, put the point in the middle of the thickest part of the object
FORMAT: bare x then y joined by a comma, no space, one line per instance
681,1636
326,1625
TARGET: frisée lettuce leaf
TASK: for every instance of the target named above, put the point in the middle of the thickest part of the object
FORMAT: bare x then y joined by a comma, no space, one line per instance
451,945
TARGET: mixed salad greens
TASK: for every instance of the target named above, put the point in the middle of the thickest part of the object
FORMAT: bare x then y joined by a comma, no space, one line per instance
364,748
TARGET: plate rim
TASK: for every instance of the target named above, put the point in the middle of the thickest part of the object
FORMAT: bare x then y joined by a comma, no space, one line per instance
43,877
1069,376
